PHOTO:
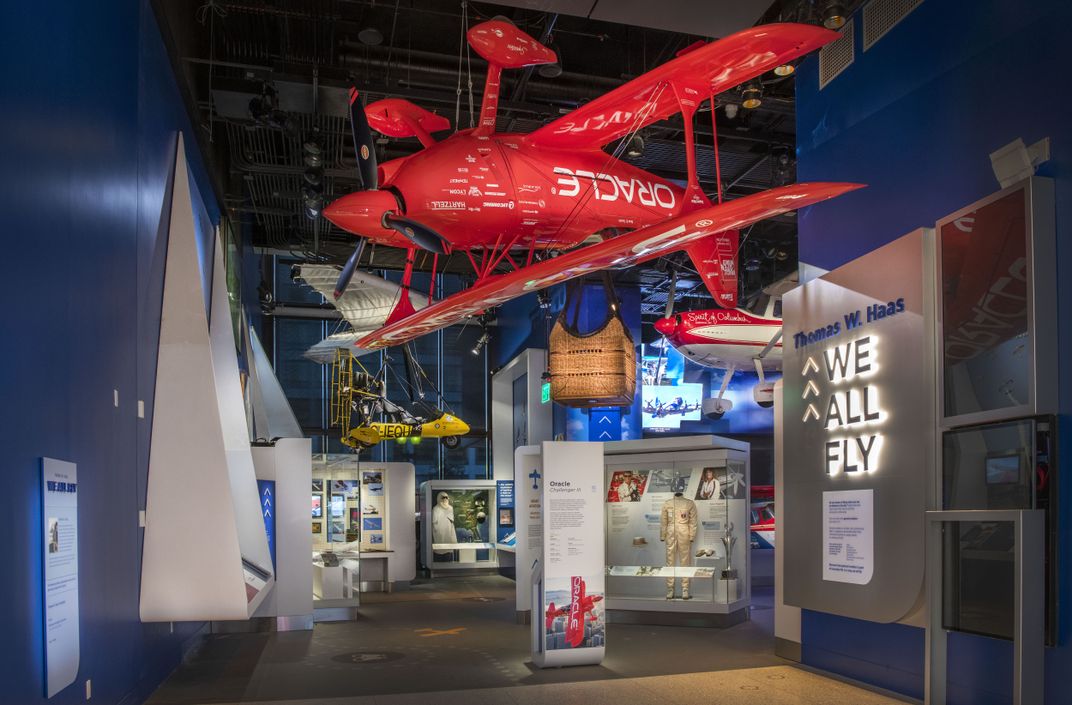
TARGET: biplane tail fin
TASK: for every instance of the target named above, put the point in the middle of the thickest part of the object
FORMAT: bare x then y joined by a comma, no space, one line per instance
503,46
715,260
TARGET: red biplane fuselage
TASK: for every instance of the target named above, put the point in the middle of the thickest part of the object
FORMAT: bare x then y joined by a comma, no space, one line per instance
477,190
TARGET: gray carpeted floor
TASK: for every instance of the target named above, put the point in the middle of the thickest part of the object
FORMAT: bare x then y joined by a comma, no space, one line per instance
455,634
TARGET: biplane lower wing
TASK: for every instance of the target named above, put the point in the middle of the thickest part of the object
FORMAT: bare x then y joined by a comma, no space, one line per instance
621,251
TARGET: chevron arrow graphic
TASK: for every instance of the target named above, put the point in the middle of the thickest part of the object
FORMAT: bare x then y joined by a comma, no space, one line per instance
810,366
810,388
810,413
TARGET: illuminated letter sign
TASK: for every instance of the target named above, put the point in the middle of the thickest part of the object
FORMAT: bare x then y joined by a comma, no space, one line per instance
857,434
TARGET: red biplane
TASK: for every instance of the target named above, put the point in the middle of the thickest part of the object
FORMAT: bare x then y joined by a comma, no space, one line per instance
514,198
582,607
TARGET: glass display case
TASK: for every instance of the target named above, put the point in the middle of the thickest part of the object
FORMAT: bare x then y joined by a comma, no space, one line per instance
336,523
458,520
677,527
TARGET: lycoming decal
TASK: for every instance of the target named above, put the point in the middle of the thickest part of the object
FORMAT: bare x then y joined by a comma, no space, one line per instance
609,187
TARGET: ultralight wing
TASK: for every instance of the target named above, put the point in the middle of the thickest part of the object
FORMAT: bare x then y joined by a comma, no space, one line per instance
708,70
621,251
366,305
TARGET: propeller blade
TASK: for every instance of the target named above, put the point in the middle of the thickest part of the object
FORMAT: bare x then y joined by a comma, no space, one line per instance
349,268
363,144
670,294
420,235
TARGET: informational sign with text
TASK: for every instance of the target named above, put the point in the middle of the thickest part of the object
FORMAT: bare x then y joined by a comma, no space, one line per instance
849,536
573,624
59,484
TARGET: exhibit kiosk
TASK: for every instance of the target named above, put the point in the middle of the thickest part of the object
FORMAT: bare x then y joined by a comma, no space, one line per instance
458,525
568,598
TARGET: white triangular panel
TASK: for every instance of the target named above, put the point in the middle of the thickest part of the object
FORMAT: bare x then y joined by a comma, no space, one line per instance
275,418
251,537
192,561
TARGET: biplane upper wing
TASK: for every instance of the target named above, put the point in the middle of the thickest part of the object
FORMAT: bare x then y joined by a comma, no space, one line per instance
708,70
621,251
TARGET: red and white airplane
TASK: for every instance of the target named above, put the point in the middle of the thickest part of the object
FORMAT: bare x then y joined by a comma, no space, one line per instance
516,199
731,339
582,607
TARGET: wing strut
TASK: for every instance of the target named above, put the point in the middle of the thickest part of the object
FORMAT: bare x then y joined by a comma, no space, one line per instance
404,307
688,99
714,140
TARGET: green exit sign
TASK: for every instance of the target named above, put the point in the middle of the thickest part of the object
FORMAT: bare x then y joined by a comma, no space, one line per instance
545,393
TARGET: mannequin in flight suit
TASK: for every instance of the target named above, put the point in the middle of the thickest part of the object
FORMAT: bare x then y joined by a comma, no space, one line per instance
677,527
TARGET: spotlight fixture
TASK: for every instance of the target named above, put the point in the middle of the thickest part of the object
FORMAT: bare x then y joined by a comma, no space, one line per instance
312,154
313,177
752,95
370,37
731,110
751,265
784,70
551,70
834,15
635,148
261,107
480,343
314,202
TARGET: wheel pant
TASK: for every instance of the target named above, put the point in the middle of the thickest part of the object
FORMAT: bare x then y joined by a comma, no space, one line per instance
678,553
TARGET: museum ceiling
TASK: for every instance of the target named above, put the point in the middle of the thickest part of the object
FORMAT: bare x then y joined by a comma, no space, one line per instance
264,78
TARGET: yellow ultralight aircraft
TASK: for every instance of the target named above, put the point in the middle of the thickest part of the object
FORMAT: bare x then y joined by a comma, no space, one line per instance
359,396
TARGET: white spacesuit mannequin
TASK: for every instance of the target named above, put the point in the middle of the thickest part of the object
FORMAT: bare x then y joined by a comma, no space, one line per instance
443,521
677,527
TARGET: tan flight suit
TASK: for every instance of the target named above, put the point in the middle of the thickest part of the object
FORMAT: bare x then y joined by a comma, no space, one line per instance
677,527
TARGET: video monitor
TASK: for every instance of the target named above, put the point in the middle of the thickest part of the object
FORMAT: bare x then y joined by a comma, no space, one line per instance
666,406
1003,469
318,506
338,505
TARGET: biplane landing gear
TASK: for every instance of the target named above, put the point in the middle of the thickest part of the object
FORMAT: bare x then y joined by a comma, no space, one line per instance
452,442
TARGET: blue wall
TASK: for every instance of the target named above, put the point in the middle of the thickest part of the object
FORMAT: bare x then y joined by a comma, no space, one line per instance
916,117
87,139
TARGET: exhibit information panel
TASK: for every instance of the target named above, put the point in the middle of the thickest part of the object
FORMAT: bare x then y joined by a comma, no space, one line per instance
59,484
372,526
859,408
505,523
849,536
572,630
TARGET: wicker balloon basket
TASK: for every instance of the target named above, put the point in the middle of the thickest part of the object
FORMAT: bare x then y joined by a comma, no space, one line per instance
592,369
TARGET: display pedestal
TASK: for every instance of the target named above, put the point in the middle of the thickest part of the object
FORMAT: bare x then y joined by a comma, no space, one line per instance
286,465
